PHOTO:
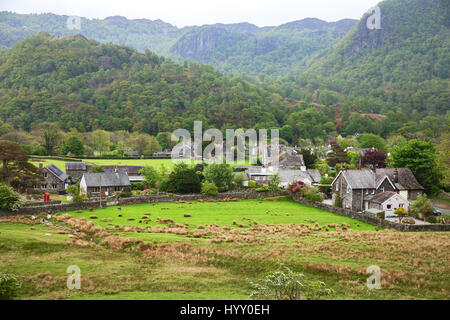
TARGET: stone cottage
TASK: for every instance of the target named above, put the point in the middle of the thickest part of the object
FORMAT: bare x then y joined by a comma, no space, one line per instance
76,169
55,180
106,183
356,186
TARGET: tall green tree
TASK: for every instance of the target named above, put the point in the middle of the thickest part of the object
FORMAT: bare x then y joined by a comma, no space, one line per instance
370,140
73,145
221,174
16,170
421,157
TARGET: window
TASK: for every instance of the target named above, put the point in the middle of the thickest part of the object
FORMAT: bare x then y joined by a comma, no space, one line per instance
382,189
373,191
95,189
367,191
54,186
44,186
348,189
45,174
389,206
401,205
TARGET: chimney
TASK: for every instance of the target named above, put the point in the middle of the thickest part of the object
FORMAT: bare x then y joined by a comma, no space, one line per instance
395,175
116,169
40,165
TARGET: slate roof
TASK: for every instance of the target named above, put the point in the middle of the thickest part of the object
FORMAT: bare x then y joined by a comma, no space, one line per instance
315,175
57,172
130,170
360,179
288,159
381,197
107,179
406,179
75,166
367,179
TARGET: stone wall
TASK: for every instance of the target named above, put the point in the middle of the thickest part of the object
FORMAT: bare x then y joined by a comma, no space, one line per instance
54,208
376,221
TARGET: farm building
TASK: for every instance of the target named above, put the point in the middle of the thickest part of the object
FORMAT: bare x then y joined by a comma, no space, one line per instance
104,182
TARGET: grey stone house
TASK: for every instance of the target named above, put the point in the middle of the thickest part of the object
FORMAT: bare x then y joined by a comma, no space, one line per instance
55,180
131,171
76,169
356,186
106,183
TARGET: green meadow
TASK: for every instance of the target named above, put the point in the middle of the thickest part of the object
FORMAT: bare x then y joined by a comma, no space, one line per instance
210,250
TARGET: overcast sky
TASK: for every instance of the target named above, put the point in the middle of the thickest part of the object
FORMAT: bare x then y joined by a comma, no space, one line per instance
198,12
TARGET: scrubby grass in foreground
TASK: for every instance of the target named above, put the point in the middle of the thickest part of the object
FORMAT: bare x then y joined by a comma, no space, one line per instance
204,260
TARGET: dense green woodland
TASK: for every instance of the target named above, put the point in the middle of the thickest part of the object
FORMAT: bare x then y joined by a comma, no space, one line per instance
390,82
232,48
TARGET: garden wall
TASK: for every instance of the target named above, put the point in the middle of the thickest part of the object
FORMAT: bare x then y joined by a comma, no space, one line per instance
375,221
53,208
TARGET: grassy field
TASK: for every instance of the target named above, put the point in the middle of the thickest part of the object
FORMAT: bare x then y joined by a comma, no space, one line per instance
156,163
155,252
110,162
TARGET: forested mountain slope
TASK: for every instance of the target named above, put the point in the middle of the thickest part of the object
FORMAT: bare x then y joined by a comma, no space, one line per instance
83,84
404,66
234,48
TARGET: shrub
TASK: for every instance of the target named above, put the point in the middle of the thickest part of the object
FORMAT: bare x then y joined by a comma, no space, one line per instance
338,201
126,192
221,175
73,190
285,284
96,169
9,286
239,179
298,188
209,188
264,188
78,198
9,199
326,180
275,181
312,195
421,208
401,212
431,219
253,184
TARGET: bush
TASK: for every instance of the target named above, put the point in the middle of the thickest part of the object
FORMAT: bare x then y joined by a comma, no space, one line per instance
9,286
78,198
288,285
253,184
264,188
421,208
338,201
431,219
209,188
312,195
9,199
186,180
221,175
126,192
239,179
298,188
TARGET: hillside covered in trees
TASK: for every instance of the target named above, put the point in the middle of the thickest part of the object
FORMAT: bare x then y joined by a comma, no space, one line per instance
390,82
401,69
83,84
232,48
